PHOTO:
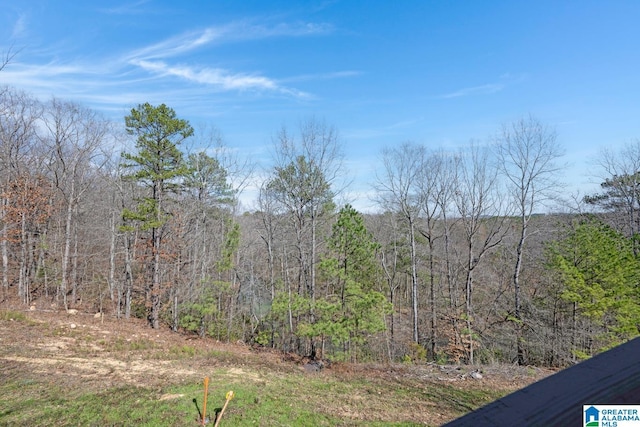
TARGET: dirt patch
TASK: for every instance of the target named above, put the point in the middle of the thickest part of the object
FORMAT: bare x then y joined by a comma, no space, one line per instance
100,369
90,350
171,396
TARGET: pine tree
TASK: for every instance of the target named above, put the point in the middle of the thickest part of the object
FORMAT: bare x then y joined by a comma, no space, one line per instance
159,166
599,274
352,308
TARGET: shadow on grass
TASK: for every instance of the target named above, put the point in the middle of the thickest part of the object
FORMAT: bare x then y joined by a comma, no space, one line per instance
207,420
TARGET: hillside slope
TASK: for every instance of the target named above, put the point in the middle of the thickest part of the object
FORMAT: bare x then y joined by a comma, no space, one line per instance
61,369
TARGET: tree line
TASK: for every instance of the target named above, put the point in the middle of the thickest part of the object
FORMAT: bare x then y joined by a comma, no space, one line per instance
472,256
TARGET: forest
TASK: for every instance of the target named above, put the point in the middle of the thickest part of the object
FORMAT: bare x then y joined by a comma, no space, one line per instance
474,256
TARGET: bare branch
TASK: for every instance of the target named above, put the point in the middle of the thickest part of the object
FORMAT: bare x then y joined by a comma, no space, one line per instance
8,56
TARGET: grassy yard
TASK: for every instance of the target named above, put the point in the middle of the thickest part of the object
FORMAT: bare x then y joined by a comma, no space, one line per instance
121,374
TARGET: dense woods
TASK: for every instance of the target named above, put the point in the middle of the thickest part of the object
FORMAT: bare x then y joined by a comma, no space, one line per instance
472,256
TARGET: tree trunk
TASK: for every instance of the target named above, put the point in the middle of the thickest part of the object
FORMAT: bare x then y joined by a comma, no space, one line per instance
64,281
112,259
5,252
74,260
414,281
516,289
22,280
468,306
154,313
175,311
128,274
432,298
42,266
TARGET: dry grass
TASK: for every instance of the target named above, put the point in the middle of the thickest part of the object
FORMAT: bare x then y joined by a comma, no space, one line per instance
109,372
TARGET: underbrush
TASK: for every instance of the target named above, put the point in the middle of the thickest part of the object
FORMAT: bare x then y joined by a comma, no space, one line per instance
123,345
14,316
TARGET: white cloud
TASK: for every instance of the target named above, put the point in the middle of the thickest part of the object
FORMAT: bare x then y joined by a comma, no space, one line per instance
174,46
235,31
20,27
121,79
300,29
126,9
218,78
323,76
505,80
210,76
153,58
476,90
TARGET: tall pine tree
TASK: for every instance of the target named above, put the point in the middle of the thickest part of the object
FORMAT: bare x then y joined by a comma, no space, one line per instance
352,308
158,165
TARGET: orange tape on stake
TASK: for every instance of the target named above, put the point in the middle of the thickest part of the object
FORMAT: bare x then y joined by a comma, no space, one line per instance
204,403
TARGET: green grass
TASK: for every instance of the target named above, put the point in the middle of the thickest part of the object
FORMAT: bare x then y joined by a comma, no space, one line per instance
261,399
124,345
182,351
266,393
38,404
14,316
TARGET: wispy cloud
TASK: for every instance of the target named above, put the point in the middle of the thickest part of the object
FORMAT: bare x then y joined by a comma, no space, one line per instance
216,77
154,58
20,27
503,82
127,77
486,89
322,76
127,8
25,75
298,29
232,32
178,45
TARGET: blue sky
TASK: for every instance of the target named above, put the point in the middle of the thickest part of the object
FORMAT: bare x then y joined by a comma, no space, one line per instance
438,73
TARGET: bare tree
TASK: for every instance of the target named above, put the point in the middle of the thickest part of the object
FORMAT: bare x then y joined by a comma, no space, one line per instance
436,184
620,175
7,57
305,172
527,153
304,183
389,235
270,226
398,190
208,226
73,137
19,114
482,218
